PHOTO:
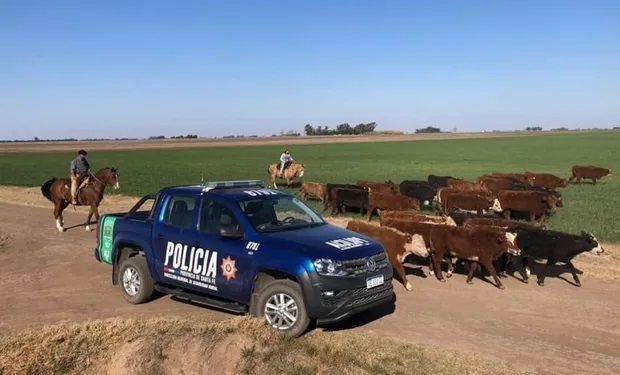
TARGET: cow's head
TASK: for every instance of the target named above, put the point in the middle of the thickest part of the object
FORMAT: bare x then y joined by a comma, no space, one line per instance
592,242
497,207
553,201
609,172
413,203
417,246
508,242
563,182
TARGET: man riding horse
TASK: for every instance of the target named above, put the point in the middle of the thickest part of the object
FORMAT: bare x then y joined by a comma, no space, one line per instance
287,169
79,171
285,160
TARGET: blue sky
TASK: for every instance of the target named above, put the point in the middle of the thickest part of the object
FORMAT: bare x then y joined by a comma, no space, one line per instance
134,69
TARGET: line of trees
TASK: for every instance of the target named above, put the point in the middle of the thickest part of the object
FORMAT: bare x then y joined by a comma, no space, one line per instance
428,129
342,129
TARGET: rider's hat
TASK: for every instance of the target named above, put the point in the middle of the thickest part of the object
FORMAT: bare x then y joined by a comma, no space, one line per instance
82,152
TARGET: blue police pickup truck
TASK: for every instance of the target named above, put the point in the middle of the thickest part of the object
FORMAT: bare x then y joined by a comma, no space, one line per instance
240,247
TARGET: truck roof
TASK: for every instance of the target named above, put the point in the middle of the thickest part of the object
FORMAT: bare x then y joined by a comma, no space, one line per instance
233,192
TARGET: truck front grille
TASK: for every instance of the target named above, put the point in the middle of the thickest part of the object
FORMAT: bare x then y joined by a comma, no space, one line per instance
356,267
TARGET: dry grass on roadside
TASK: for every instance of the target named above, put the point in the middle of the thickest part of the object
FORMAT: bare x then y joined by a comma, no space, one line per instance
240,345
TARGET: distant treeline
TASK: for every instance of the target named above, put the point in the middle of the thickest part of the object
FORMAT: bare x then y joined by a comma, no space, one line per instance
428,129
342,129
188,136
37,139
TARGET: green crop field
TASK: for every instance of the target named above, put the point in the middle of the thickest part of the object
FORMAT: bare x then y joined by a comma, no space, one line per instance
586,207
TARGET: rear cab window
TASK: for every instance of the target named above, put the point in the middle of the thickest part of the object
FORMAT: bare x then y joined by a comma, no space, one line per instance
179,211
215,216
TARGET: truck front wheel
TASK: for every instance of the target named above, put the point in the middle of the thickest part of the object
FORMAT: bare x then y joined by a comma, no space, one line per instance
281,303
135,280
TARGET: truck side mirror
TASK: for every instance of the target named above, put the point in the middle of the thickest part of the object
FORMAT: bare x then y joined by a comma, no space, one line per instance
231,231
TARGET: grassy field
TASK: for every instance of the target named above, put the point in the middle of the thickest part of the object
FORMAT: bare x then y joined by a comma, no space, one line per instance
587,207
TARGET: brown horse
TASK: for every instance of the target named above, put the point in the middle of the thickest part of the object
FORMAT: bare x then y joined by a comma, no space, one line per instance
58,191
290,173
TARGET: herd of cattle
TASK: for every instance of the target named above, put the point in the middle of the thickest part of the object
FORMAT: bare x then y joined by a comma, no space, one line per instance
462,230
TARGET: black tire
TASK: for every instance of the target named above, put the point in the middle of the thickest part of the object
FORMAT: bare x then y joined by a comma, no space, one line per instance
145,289
289,289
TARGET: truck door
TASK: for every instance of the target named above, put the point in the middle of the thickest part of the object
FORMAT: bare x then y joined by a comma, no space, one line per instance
173,237
233,260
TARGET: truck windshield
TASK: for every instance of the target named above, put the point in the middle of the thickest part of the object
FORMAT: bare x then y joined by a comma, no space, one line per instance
279,214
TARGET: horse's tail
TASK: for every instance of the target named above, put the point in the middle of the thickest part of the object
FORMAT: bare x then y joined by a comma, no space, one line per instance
46,189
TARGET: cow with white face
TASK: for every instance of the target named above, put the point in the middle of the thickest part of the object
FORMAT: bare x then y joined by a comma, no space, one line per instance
555,247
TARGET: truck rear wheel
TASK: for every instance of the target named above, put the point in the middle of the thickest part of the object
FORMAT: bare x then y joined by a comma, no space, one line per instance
135,280
281,303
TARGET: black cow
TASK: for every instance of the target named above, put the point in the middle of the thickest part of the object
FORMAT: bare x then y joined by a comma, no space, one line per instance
423,191
439,181
554,247
331,190
349,198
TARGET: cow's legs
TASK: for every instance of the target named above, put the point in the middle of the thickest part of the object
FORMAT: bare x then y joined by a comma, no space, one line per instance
431,268
572,269
488,264
507,214
572,177
502,265
473,266
400,271
526,269
450,267
594,181
543,273
579,180
370,212
436,258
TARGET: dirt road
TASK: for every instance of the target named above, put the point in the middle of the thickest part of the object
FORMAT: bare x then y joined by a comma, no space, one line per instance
49,277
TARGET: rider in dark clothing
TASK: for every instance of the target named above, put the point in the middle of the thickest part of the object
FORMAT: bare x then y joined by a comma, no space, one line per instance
80,169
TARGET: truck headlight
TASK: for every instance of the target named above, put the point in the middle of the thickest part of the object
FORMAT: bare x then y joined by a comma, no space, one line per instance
328,267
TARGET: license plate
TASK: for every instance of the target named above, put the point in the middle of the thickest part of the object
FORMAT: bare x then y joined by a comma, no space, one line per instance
374,281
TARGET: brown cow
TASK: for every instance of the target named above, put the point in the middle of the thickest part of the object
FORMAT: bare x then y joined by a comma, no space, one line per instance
420,228
463,185
380,187
546,180
314,190
398,245
497,222
535,203
415,216
469,202
591,172
496,184
519,177
390,201
443,192
479,245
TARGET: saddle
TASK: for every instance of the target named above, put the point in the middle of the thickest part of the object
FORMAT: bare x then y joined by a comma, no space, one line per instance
85,182
286,165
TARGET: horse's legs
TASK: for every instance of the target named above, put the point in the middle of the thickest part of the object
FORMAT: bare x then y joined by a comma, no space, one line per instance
97,213
92,210
59,206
